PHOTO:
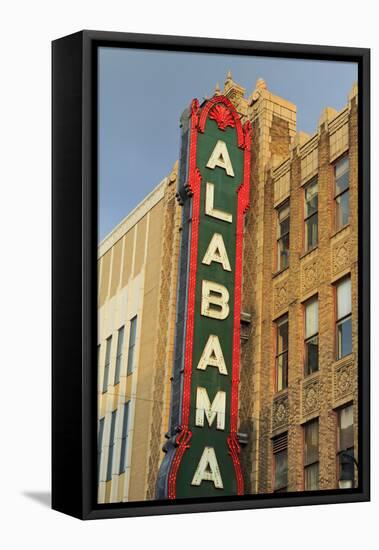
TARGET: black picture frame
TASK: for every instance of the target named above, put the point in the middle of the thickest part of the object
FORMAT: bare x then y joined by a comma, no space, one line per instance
74,294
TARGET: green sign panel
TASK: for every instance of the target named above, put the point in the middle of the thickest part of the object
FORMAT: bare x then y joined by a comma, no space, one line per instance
202,456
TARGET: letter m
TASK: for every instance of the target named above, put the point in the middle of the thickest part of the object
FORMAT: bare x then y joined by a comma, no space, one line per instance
204,407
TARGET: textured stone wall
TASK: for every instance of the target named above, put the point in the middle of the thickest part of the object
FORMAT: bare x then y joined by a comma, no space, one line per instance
312,273
273,123
164,352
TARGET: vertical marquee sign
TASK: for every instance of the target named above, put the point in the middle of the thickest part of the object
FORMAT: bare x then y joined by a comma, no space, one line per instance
202,451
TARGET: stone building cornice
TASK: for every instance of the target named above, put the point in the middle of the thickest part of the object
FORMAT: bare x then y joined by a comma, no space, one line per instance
134,217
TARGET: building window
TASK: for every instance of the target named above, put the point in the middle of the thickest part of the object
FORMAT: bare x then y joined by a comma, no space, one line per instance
282,353
345,448
124,438
132,343
341,192
100,445
343,324
311,336
98,365
280,456
311,459
120,346
283,236
111,445
311,215
107,363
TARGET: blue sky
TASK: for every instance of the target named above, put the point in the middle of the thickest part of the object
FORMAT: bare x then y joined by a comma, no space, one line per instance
142,94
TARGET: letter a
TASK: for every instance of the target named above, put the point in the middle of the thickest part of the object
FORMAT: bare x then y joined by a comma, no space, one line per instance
220,157
208,469
212,355
216,252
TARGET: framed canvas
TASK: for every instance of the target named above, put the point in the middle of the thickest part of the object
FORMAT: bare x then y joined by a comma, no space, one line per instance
211,288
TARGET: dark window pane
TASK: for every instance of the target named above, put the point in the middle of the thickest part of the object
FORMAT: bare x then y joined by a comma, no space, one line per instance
100,445
132,341
311,232
282,371
281,470
101,433
282,336
346,465
106,377
310,215
283,252
133,328
283,212
284,226
311,477
342,210
344,338
311,467
108,350
120,343
346,431
107,363
311,442
311,199
281,353
311,355
346,462
111,445
342,175
124,439
342,183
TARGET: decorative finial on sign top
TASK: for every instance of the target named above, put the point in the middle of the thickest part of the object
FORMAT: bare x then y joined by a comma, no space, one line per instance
217,89
261,84
229,75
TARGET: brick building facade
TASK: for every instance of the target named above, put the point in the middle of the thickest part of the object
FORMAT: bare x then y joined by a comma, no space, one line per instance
299,337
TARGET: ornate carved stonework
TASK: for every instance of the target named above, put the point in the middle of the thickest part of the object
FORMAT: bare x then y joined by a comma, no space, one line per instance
281,295
164,348
311,400
309,276
280,412
343,381
340,256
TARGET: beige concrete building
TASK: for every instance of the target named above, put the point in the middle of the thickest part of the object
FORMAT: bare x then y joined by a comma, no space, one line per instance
298,385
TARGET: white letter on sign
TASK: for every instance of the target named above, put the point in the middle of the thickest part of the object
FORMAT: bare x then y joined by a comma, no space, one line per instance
214,300
220,157
208,469
216,252
204,406
209,205
212,355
